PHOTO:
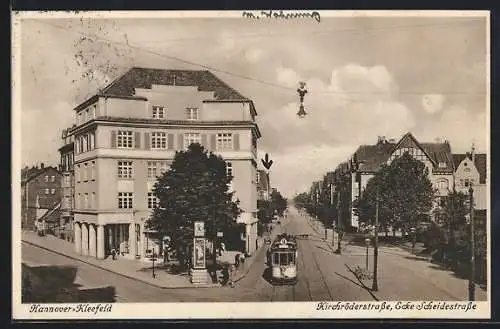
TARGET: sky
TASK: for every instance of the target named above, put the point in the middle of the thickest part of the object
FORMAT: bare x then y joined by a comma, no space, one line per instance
366,77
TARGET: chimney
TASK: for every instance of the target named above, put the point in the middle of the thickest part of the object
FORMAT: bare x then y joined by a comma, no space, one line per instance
42,165
381,140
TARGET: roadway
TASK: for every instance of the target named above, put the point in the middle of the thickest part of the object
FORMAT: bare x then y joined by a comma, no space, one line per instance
322,276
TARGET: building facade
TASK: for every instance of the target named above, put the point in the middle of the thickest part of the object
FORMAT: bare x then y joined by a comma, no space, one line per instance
40,196
368,159
127,135
67,185
470,171
263,187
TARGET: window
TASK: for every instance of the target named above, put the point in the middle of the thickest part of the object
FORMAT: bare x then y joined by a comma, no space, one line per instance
67,180
79,120
442,184
257,178
224,141
90,140
46,191
190,138
79,201
156,168
467,169
125,169
92,201
124,200
158,141
85,176
229,169
442,165
159,112
52,178
468,182
77,173
86,201
67,202
46,179
124,139
192,113
92,170
53,191
163,167
152,168
152,200
93,112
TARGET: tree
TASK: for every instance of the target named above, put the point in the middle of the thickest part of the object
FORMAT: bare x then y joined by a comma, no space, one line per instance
302,200
195,188
404,193
278,202
101,53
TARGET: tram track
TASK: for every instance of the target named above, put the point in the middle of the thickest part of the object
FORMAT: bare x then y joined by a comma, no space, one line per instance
316,264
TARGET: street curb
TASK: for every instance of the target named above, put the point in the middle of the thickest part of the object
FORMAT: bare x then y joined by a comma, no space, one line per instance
262,247
118,273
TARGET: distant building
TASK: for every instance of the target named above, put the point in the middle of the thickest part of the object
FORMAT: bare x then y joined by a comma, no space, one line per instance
67,184
40,195
127,135
470,170
368,159
263,188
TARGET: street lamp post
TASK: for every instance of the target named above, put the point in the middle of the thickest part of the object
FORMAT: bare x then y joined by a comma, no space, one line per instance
331,211
339,212
472,274
413,231
367,241
154,258
375,248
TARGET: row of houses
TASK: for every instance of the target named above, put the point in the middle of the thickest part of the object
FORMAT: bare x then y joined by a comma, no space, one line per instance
124,137
448,171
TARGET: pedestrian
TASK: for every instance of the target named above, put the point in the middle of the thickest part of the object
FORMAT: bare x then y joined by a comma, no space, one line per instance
241,258
237,260
225,275
113,253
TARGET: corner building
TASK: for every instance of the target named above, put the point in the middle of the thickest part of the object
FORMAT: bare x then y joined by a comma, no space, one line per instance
127,135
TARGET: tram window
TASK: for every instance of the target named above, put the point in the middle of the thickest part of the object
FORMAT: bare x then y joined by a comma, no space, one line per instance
283,258
276,259
292,258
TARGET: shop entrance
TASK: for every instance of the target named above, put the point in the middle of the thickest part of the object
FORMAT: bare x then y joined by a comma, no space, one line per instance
116,237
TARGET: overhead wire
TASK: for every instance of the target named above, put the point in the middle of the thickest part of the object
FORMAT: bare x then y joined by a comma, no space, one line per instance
249,78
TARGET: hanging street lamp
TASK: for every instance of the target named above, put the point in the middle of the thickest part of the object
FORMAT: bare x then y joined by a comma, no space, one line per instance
302,91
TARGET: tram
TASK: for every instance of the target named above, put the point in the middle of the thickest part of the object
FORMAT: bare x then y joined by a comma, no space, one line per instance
282,259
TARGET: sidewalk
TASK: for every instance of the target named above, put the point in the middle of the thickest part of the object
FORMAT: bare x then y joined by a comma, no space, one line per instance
244,268
130,268
394,262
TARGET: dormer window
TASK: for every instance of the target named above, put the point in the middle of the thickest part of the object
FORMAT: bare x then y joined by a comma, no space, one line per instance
159,112
192,113
442,165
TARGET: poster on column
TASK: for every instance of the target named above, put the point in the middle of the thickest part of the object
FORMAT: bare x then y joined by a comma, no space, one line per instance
199,253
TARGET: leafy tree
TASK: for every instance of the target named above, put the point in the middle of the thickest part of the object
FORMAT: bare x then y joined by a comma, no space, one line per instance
195,188
278,202
404,193
302,200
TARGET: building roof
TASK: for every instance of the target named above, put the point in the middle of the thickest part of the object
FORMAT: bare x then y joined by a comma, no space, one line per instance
139,77
480,163
372,157
28,174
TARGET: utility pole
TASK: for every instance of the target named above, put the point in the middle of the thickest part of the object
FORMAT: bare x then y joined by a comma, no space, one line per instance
472,277
331,211
339,212
375,248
